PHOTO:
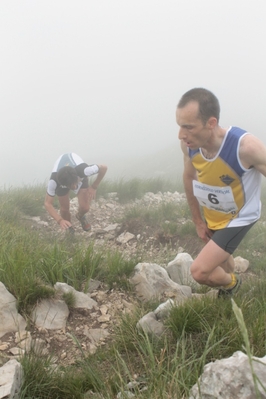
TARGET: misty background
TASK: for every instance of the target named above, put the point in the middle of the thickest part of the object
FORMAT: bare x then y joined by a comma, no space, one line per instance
102,78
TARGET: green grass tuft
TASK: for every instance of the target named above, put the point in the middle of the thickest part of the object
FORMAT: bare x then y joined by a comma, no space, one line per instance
199,331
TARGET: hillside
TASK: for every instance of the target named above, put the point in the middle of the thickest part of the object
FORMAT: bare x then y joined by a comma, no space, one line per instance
151,241
151,228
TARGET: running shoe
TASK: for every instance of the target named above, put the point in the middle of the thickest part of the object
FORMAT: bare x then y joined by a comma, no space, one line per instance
229,293
84,222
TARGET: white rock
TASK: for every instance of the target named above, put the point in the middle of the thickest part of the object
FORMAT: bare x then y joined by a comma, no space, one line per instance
11,376
81,300
50,314
125,237
11,320
241,264
230,378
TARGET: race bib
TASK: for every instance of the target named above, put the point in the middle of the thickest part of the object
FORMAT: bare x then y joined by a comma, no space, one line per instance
219,199
79,185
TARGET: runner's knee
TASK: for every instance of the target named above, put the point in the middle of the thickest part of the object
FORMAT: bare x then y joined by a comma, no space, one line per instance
199,275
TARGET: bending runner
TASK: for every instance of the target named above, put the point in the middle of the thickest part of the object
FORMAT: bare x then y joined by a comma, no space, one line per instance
70,172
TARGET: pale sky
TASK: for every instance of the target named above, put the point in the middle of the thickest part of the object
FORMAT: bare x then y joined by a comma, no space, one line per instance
102,77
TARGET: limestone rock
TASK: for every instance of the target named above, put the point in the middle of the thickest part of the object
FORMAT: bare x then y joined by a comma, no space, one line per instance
151,281
81,300
11,320
179,270
241,264
11,377
125,237
149,324
163,310
230,378
50,314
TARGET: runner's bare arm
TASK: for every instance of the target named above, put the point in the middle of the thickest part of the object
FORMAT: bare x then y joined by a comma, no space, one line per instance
100,176
92,189
48,203
252,153
190,174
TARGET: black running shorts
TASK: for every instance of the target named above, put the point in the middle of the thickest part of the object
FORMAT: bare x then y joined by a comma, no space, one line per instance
230,237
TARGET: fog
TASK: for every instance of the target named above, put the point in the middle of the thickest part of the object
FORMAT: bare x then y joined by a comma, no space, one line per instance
102,78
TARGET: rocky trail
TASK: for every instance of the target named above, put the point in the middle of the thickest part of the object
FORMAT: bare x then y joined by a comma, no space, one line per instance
88,329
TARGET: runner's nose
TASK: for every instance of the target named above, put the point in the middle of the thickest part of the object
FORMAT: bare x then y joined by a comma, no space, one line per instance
181,134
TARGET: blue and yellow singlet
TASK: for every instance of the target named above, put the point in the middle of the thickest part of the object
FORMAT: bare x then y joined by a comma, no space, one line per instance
228,192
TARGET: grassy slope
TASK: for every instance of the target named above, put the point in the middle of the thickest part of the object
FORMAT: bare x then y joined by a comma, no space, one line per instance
29,266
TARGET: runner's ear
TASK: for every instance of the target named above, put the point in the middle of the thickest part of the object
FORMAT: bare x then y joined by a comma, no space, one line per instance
212,122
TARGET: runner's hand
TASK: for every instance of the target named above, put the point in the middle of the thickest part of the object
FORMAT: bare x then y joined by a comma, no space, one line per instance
203,232
64,224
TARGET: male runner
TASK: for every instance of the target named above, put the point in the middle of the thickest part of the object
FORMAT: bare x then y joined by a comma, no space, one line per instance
70,172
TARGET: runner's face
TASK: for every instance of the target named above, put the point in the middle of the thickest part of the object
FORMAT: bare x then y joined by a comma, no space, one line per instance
192,131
